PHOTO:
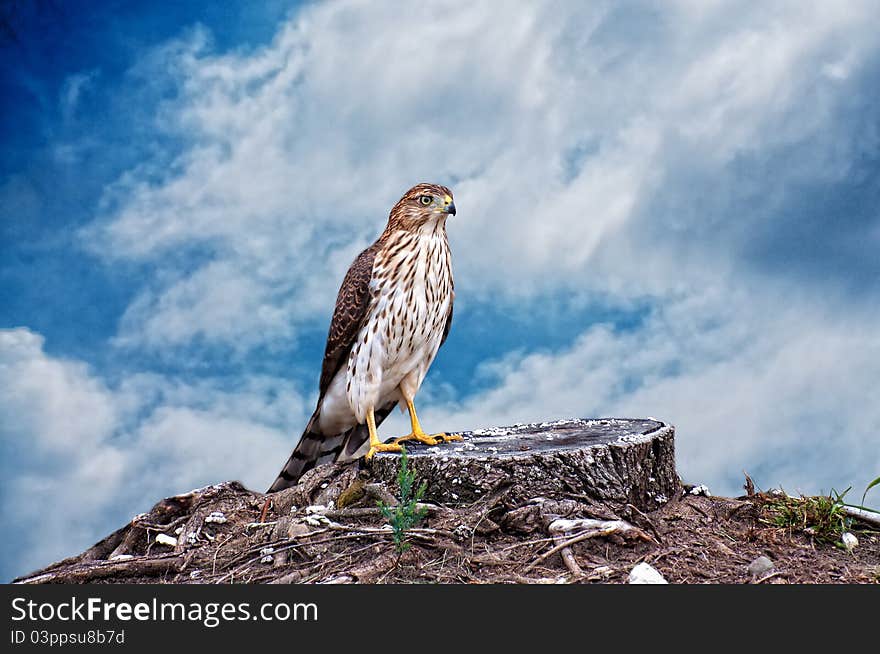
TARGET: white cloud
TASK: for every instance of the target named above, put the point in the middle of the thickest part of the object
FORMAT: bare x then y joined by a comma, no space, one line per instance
60,421
59,400
778,391
215,303
294,152
96,455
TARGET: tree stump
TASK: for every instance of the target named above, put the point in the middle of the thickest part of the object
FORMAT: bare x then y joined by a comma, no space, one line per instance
618,461
570,479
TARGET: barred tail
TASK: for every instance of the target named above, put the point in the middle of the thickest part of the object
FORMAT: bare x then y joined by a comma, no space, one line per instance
311,448
315,448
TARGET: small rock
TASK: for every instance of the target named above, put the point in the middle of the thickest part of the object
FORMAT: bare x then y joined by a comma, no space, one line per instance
462,533
702,489
761,566
266,555
351,494
296,529
645,574
849,540
317,519
338,579
216,517
165,539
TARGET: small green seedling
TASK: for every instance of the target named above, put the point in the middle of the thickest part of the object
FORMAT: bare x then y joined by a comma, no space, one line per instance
407,513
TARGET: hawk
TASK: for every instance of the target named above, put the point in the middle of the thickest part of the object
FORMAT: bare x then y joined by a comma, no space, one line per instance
393,312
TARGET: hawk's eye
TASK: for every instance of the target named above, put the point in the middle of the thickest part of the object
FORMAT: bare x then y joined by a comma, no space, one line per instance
425,199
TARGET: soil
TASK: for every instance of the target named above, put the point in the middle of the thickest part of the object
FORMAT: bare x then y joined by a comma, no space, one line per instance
229,534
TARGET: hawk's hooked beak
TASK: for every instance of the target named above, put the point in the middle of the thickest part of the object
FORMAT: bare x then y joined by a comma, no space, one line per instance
449,206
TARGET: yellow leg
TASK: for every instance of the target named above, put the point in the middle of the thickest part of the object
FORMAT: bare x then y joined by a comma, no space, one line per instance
375,444
418,433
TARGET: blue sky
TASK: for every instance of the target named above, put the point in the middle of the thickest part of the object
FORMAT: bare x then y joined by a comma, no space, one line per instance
665,209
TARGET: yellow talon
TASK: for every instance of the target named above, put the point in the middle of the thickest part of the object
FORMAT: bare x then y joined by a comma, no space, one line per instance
381,447
375,444
421,438
418,434
429,439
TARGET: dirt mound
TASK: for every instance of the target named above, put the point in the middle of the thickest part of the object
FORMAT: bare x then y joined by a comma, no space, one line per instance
330,528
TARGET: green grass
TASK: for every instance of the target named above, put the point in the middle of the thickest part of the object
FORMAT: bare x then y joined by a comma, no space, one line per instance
406,514
823,517
874,483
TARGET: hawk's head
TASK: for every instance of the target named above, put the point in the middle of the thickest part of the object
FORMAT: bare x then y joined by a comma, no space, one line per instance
423,204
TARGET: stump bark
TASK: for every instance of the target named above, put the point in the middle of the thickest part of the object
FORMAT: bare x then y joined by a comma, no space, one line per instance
621,461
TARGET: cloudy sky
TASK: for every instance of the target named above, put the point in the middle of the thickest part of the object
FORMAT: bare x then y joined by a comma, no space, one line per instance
665,209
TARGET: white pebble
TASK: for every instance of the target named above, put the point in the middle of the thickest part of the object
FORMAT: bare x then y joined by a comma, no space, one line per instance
216,517
645,574
849,540
603,571
165,539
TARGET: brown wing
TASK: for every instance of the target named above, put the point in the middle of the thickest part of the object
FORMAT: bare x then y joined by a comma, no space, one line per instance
448,325
351,308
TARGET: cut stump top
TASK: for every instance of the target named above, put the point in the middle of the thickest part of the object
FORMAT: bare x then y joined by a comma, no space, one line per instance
622,460
524,439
